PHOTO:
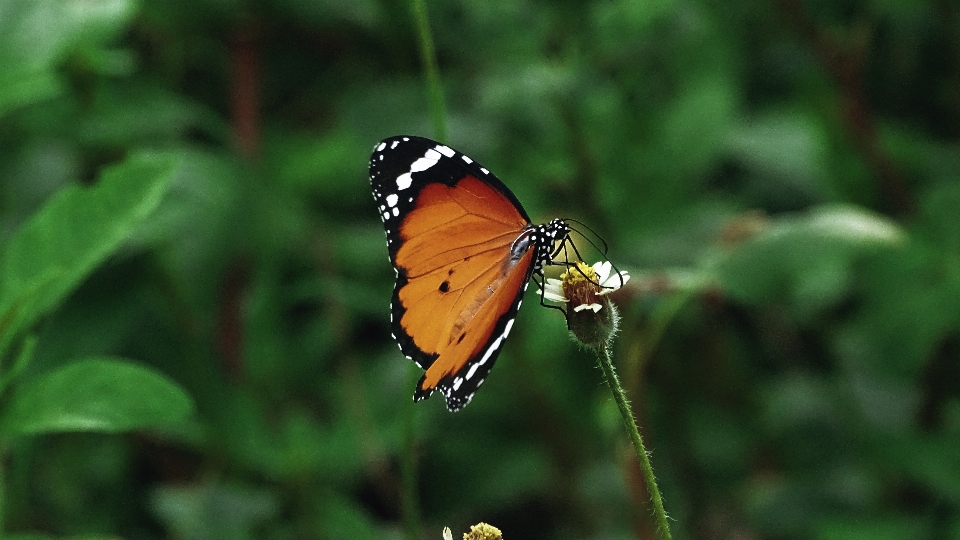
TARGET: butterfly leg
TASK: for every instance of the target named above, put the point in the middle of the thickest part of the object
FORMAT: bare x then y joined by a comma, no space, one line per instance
563,248
541,283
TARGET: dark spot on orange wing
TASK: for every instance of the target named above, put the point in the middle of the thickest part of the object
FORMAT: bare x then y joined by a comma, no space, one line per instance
444,287
477,336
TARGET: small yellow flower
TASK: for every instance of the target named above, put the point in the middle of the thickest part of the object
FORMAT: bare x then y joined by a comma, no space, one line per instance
483,531
480,531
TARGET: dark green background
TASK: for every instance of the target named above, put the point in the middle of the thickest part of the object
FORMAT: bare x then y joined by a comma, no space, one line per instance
781,179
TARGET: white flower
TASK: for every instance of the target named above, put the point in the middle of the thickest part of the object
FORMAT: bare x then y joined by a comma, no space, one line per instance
585,289
600,274
552,290
608,281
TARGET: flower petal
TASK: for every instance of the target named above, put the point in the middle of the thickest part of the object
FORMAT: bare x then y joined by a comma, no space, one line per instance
602,269
613,282
594,307
552,290
553,297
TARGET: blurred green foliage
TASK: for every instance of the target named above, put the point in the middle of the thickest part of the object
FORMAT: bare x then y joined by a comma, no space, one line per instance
194,331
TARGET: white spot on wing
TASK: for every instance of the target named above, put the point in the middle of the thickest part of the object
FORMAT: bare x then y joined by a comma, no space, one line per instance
484,170
506,329
380,148
396,211
392,199
468,160
425,162
457,382
394,145
486,356
473,370
445,150
404,181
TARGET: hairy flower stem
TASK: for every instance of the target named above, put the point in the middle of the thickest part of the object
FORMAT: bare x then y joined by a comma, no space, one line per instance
605,359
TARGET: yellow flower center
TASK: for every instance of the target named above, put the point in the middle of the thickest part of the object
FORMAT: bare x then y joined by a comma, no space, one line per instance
581,272
483,531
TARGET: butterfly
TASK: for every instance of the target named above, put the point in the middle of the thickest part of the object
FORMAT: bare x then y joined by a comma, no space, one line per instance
464,251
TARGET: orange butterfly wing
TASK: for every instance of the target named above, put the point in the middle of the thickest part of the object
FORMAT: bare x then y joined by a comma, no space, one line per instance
463,249
461,280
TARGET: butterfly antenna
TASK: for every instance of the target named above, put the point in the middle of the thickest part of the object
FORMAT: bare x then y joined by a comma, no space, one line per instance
562,248
602,242
592,232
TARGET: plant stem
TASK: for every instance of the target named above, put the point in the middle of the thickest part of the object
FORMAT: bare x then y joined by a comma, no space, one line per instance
408,461
410,506
3,489
428,57
605,359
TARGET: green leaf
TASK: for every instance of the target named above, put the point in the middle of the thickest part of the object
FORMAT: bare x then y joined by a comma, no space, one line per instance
197,511
805,258
71,235
907,311
319,164
780,147
21,88
938,213
99,395
36,35
695,125
880,528
928,460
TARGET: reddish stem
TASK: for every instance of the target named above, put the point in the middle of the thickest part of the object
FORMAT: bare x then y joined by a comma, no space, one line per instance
245,91
845,65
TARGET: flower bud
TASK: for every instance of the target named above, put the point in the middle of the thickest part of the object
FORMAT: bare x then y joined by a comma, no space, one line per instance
592,318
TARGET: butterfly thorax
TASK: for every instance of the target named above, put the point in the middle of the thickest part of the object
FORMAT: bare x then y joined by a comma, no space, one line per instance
544,238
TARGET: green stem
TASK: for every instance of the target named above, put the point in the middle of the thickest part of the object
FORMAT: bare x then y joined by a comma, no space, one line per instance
410,507
428,57
3,489
408,462
605,359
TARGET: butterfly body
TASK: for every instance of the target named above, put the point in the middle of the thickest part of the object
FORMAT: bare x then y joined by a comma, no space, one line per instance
464,250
